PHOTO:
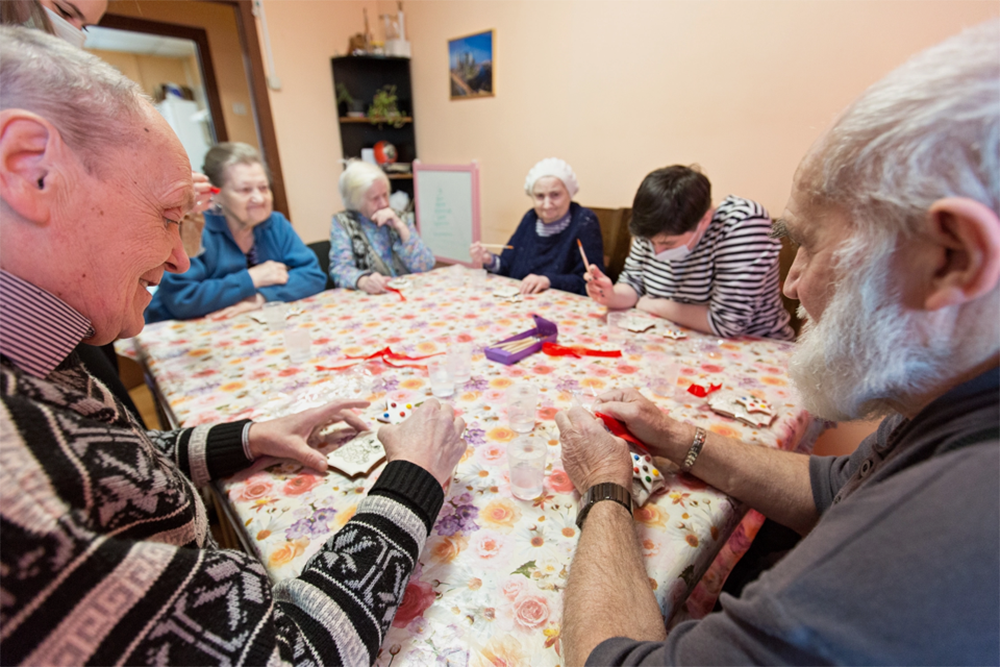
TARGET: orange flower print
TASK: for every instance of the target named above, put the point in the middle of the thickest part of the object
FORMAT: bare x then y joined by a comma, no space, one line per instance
299,484
500,514
447,549
724,430
559,481
501,651
232,386
500,434
773,381
594,383
288,552
501,383
651,515
411,383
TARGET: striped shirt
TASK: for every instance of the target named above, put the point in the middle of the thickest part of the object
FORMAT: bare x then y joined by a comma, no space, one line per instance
733,270
37,329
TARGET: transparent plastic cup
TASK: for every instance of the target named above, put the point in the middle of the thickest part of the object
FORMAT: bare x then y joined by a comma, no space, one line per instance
441,377
522,402
526,459
275,313
298,343
460,356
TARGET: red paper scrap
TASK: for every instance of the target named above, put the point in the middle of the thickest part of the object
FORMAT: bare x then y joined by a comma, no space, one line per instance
618,427
554,350
393,289
701,392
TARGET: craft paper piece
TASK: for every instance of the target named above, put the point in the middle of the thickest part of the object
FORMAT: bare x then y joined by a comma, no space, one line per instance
754,404
646,479
675,334
358,456
258,316
556,350
400,283
637,324
728,403
507,291
618,427
701,392
395,412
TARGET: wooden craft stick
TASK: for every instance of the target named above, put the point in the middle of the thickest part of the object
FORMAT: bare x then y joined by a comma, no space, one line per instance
498,245
583,254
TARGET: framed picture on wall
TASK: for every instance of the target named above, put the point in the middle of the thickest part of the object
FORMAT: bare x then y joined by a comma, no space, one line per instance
471,64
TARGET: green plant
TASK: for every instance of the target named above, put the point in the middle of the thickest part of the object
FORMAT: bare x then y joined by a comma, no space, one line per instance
343,95
384,109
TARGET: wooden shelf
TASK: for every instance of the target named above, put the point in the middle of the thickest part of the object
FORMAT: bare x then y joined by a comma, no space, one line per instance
393,177
351,119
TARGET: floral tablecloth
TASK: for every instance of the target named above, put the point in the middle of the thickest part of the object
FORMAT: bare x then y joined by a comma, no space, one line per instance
487,589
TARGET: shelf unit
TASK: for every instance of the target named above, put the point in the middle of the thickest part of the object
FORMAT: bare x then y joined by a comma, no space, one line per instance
364,76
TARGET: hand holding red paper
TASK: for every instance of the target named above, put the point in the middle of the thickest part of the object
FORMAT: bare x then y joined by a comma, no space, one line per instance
590,454
639,415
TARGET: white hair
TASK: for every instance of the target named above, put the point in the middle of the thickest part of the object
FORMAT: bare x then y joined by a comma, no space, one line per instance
88,101
356,180
552,166
928,130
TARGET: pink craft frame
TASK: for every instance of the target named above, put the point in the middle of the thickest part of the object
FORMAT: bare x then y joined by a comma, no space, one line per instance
472,168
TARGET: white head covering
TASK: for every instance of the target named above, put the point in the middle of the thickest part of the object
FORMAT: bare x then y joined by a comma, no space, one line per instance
552,166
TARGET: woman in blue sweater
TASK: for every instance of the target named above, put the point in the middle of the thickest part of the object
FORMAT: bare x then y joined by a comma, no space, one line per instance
251,254
545,252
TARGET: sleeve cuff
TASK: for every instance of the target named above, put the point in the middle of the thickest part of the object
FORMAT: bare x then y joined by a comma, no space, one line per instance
228,450
413,486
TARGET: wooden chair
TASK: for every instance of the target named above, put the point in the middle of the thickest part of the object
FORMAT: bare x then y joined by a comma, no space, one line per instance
617,241
322,250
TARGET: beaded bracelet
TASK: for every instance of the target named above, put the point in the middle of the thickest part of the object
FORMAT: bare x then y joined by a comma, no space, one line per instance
692,455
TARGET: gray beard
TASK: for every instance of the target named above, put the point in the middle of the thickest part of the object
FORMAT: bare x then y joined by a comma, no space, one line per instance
867,355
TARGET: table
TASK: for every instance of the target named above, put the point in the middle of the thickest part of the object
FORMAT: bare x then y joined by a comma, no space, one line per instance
488,586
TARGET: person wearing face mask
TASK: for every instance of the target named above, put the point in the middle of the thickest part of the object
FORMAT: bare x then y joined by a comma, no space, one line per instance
714,270
69,18
251,253
369,243
543,253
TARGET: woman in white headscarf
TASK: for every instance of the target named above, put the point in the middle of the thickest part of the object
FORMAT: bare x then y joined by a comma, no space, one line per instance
544,250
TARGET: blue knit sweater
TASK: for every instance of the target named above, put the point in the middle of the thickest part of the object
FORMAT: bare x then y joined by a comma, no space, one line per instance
219,278
555,257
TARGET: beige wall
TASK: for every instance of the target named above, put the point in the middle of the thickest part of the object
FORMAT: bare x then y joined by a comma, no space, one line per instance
151,71
219,22
615,87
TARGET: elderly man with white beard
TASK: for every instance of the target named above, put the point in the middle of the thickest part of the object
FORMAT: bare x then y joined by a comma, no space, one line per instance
895,214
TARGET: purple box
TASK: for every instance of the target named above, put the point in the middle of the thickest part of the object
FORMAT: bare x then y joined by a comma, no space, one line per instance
544,329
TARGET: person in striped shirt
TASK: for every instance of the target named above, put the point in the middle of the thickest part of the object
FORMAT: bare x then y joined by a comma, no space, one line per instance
713,270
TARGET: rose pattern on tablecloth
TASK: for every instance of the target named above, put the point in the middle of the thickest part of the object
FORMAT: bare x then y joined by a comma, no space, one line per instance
487,588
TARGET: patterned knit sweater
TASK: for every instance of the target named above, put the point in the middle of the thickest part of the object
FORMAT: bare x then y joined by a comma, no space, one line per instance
106,556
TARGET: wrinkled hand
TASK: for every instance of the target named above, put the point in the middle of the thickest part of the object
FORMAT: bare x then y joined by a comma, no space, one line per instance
480,255
373,283
387,216
268,273
245,306
590,454
646,421
431,438
599,286
532,284
292,437
202,192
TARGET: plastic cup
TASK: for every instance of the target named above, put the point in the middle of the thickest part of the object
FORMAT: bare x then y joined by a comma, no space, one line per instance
477,279
522,402
661,374
298,344
460,356
275,313
456,275
526,459
442,379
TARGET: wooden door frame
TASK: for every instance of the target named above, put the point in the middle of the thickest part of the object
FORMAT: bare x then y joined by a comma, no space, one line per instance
196,35
246,26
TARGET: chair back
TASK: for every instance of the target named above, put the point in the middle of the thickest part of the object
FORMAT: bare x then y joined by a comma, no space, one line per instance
785,259
617,241
322,250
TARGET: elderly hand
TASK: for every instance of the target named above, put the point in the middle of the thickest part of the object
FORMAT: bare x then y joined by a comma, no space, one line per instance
480,255
245,306
590,454
646,421
373,283
268,273
431,438
202,192
532,284
386,216
292,437
599,286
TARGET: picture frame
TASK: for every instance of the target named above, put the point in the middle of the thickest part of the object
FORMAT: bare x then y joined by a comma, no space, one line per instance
472,66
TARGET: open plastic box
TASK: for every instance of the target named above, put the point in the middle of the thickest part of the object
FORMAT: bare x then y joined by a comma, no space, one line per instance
544,329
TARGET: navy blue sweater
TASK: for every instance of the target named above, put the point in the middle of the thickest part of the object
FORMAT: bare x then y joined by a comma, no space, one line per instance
555,257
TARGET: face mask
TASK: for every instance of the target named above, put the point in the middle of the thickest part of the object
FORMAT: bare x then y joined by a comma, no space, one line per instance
66,30
673,254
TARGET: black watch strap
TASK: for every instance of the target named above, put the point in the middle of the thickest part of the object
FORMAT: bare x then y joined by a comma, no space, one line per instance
599,492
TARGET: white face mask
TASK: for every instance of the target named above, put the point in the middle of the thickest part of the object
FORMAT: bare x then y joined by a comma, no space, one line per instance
66,30
673,254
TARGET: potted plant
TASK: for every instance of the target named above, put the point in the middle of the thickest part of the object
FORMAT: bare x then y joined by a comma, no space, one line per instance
384,108
346,103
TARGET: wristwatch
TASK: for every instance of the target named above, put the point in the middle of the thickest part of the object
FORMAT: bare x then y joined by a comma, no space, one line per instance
599,492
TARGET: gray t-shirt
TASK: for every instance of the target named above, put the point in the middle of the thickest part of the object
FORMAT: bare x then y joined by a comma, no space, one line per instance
902,568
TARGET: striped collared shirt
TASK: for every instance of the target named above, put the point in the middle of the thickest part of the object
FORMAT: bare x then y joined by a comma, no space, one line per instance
37,329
